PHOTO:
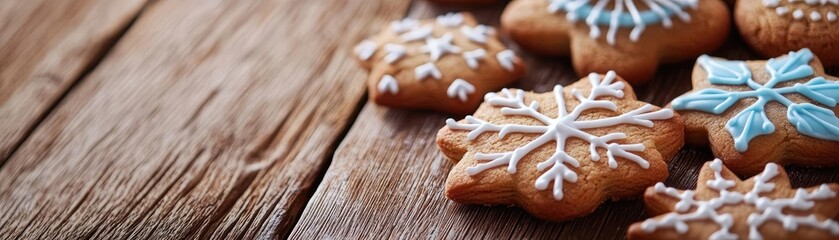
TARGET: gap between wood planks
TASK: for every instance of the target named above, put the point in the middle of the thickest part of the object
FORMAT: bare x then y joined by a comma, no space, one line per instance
337,143
100,55
183,211
385,179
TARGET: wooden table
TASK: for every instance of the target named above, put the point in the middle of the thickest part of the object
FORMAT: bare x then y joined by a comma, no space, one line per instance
230,119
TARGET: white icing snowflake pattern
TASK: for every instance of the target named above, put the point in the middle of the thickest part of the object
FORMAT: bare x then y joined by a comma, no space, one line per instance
565,126
815,10
767,209
410,30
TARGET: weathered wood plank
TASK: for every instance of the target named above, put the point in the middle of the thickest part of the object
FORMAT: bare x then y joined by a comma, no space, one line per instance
207,119
45,46
387,177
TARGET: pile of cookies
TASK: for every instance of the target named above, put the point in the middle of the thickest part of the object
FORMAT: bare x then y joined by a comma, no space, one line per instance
560,154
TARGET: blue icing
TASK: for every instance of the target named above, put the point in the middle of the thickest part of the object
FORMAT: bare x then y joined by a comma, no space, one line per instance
808,119
625,19
819,90
814,121
793,66
726,72
709,100
748,124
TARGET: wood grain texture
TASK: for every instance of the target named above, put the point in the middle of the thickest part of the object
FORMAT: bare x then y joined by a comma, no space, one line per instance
387,177
207,119
45,46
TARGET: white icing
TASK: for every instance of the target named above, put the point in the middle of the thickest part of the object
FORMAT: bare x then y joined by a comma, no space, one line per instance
506,59
460,89
478,34
782,10
798,14
815,16
411,30
365,49
418,33
560,129
437,47
450,19
394,52
767,209
665,9
404,25
388,84
816,11
770,3
473,56
428,69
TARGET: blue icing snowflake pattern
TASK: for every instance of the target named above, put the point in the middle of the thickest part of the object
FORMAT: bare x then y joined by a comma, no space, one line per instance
809,119
596,14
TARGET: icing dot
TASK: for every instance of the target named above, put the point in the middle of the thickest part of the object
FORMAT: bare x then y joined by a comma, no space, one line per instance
815,16
770,3
798,14
782,10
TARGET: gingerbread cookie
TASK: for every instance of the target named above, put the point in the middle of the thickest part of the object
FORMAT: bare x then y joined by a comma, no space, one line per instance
444,64
774,27
559,155
631,37
725,207
755,112
462,1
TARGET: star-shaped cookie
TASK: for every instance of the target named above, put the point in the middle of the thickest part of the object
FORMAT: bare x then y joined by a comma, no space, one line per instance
560,154
725,207
444,64
631,37
754,112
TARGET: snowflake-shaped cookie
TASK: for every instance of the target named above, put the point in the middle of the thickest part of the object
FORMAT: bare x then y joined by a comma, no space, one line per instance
725,207
560,154
774,27
756,112
444,64
629,36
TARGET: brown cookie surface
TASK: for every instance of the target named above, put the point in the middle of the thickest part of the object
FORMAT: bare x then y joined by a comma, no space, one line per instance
445,64
462,1
755,112
775,27
725,207
558,155
630,37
